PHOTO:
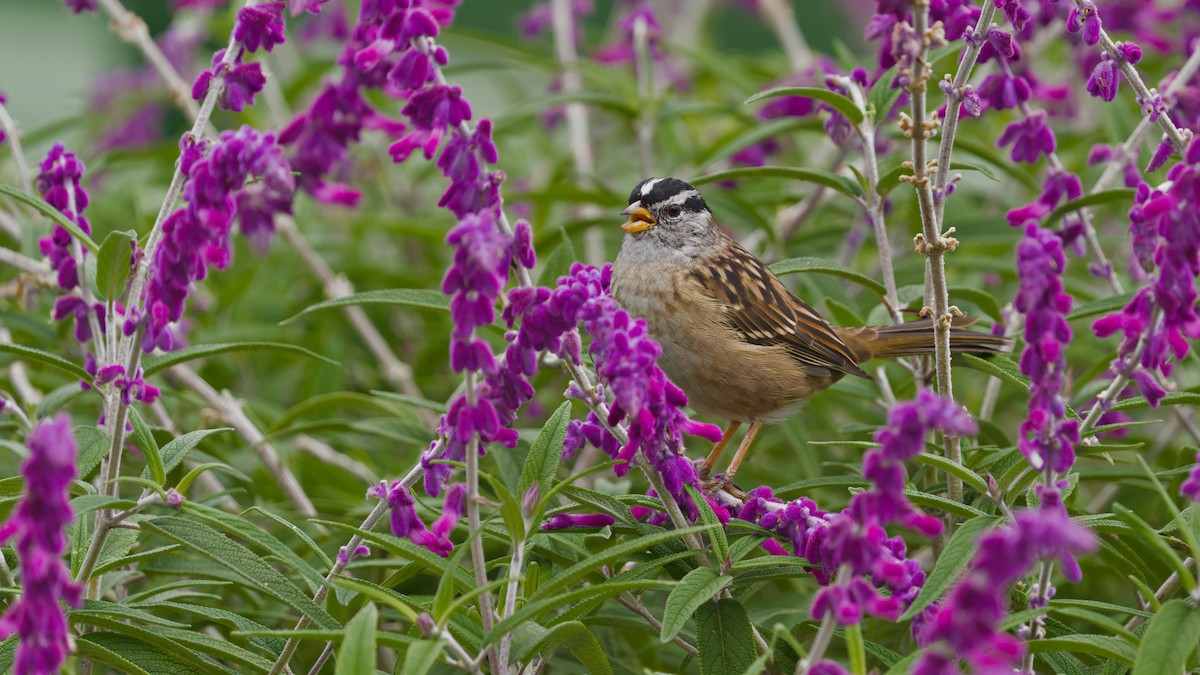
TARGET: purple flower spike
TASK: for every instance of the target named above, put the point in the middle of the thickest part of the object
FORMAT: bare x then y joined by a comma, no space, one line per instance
260,25
59,184
967,626
197,236
39,524
1047,437
1029,137
588,520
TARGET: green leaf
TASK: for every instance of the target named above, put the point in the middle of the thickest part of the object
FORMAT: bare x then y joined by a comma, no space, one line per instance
48,358
50,212
559,262
1086,643
158,362
1105,305
716,532
545,455
996,365
1169,639
406,297
421,657
145,440
245,530
972,479
240,560
841,103
827,178
1173,398
357,653
92,651
571,576
174,452
534,608
146,657
950,564
576,637
824,266
113,263
1157,544
695,589
1114,195
724,637
93,446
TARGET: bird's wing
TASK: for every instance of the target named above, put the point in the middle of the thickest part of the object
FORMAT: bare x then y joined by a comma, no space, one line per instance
764,312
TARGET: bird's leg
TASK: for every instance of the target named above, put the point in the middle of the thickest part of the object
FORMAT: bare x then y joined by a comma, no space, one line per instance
711,461
727,479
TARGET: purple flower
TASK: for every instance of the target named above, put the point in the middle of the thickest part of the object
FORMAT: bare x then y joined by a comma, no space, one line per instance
241,81
1030,137
344,555
260,25
622,51
1015,13
1047,437
39,524
431,110
405,521
1001,91
967,625
1104,79
588,520
81,6
59,184
1191,487
1162,153
1085,19
1059,186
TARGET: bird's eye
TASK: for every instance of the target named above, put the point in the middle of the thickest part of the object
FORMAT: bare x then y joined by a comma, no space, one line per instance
674,211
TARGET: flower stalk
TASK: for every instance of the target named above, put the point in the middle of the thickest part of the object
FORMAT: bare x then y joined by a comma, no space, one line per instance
931,242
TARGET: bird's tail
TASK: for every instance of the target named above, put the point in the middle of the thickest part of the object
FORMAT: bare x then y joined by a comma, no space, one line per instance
915,338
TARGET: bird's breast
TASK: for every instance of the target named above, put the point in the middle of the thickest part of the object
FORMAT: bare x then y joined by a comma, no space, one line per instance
722,375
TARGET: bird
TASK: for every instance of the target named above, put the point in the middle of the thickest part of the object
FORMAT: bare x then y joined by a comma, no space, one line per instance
741,345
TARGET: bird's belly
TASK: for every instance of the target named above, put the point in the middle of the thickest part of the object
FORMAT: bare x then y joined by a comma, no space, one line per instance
722,376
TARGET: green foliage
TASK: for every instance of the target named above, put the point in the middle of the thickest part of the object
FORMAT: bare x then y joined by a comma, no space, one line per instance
243,571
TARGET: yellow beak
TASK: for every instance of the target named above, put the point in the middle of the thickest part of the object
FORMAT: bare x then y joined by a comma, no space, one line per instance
640,219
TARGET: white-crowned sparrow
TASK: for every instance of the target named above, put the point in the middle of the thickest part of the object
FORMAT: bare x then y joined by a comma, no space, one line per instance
734,338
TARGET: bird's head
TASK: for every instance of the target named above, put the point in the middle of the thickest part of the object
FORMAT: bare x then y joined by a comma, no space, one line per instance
668,210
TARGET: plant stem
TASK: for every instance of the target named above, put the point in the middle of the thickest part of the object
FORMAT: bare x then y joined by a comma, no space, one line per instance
644,71
577,121
1126,151
966,64
782,19
231,411
289,648
474,525
516,566
130,28
931,242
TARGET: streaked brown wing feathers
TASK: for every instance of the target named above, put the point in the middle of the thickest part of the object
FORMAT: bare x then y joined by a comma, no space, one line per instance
764,312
